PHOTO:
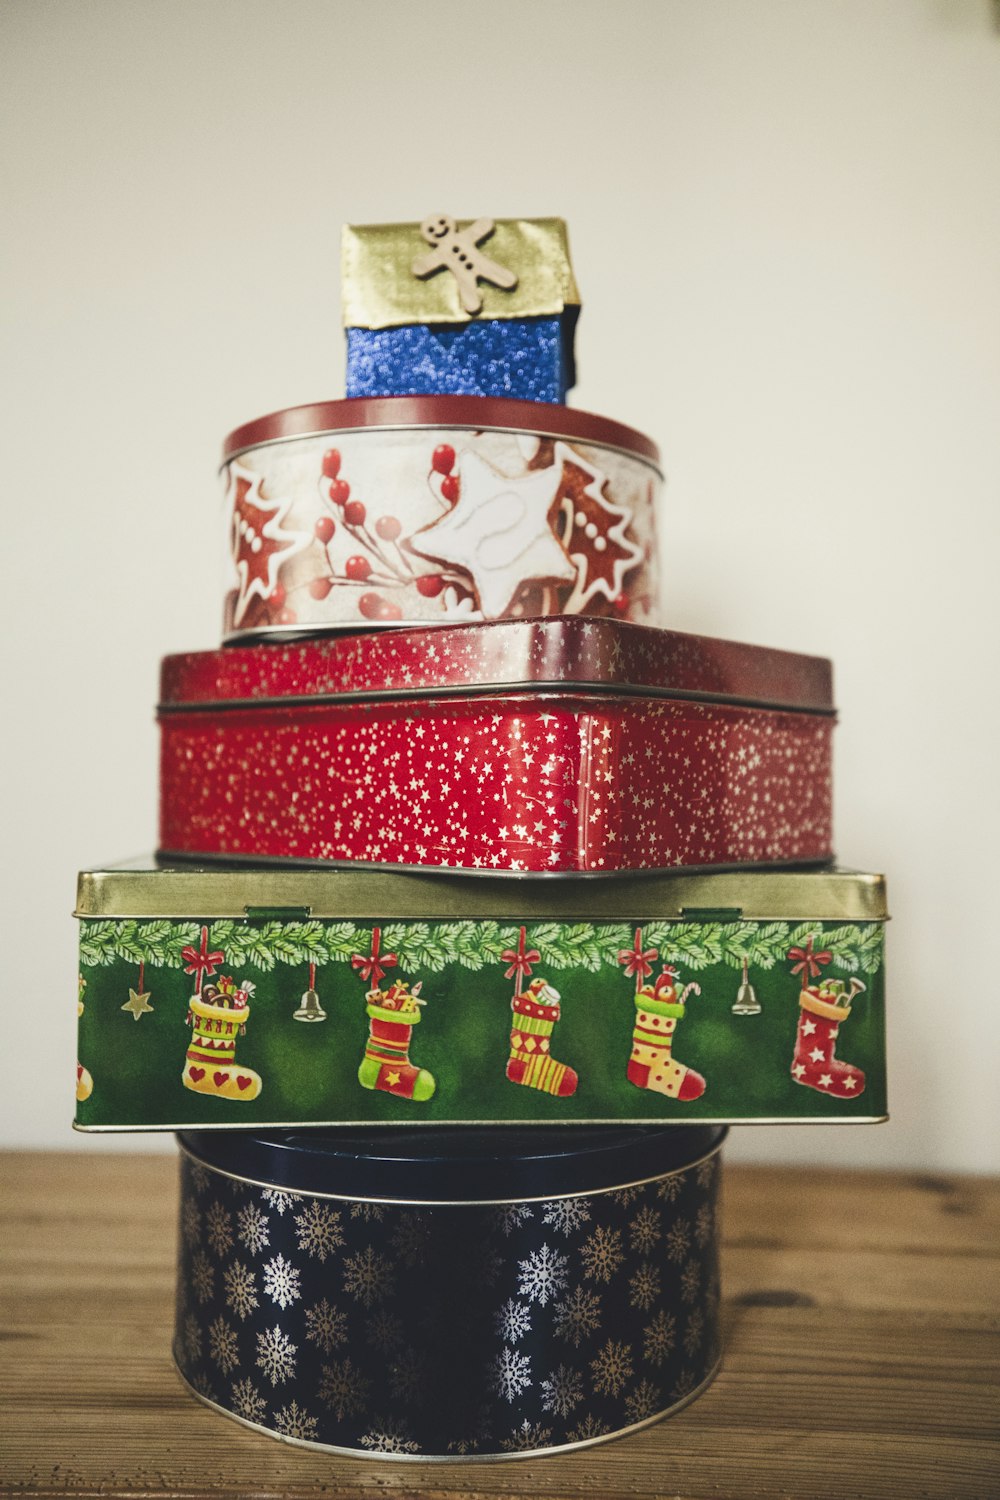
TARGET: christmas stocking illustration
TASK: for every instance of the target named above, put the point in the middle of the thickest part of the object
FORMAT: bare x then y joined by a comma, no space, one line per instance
216,1016
392,1015
535,1015
822,1008
652,1065
84,1082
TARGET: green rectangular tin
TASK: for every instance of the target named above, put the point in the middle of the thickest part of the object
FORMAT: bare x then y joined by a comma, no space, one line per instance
361,997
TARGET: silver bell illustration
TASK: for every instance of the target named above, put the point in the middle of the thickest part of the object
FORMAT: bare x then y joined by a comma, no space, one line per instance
310,1009
747,1003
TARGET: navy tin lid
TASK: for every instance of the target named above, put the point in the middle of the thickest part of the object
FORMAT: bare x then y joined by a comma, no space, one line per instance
478,1164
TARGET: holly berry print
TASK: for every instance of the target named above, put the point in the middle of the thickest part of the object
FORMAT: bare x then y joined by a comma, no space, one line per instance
824,1005
525,1023
383,526
216,1013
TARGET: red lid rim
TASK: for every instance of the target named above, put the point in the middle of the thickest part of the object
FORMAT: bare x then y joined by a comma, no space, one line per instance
542,418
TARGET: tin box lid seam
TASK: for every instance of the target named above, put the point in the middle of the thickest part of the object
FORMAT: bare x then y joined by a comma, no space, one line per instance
380,290
568,655
476,413
143,889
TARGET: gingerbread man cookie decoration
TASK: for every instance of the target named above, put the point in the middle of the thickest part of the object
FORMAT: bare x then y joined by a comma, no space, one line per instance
456,250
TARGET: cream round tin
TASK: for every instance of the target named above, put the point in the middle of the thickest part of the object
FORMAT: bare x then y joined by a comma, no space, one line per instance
483,1294
431,510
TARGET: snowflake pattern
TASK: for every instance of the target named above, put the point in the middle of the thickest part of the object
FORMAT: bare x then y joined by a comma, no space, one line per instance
241,1289
602,1253
511,1373
281,1282
542,1275
326,1326
317,1229
563,1390
191,1222
223,1345
253,1228
277,1199
566,1214
513,1320
596,1314
247,1402
219,1229
292,1422
371,1213
276,1355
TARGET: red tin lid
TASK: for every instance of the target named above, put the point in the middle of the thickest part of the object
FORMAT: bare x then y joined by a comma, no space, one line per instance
475,412
567,653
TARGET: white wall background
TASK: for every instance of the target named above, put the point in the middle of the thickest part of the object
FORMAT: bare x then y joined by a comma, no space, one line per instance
785,218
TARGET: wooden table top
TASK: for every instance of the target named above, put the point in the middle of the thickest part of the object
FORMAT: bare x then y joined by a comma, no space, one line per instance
862,1354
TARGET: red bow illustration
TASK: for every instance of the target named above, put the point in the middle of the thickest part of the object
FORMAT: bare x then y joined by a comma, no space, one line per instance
638,961
520,962
807,962
373,967
199,961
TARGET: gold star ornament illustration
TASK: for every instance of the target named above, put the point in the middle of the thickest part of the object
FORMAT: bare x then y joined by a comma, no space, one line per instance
138,1004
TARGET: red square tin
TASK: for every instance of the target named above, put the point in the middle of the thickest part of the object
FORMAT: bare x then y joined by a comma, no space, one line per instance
557,746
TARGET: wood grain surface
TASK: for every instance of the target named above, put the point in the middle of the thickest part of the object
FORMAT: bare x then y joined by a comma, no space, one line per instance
862,1325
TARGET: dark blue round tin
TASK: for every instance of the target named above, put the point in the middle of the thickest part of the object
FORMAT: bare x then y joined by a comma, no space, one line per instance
443,1294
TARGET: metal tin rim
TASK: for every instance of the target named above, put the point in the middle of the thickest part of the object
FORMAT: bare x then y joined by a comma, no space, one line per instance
376,1125
450,1458
614,1187
185,892
470,413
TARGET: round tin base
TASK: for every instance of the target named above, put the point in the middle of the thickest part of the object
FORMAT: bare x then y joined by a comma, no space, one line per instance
455,1458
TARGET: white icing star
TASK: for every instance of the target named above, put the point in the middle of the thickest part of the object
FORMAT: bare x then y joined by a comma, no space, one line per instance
816,1054
808,1027
499,533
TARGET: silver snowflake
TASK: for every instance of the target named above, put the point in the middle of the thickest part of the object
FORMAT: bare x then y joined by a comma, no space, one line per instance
704,1224
510,1373
562,1390
659,1337
512,1215
526,1438
678,1240
578,1316
343,1388
202,1383
645,1229
281,1282
199,1176
684,1386
643,1401
192,1338
317,1229
670,1188
248,1403
252,1227
326,1326
410,1239
602,1253
626,1195
241,1289
223,1345
370,1213
278,1200
693,1331
202,1276
276,1355
586,1431
491,1266
385,1330
191,1222
705,1172
513,1321
644,1287
542,1275
690,1281
612,1368
410,1379
218,1229
389,1437
291,1421
367,1277
566,1214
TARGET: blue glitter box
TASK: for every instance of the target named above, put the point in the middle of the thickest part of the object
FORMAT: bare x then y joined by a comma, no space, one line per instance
445,308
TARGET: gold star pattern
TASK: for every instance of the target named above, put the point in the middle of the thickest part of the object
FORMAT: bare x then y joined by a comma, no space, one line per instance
138,1005
392,1078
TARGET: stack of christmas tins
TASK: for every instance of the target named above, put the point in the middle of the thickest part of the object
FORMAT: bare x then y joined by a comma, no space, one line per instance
483,903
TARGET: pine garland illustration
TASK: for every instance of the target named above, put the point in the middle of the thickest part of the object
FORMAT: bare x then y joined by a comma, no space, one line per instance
430,946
